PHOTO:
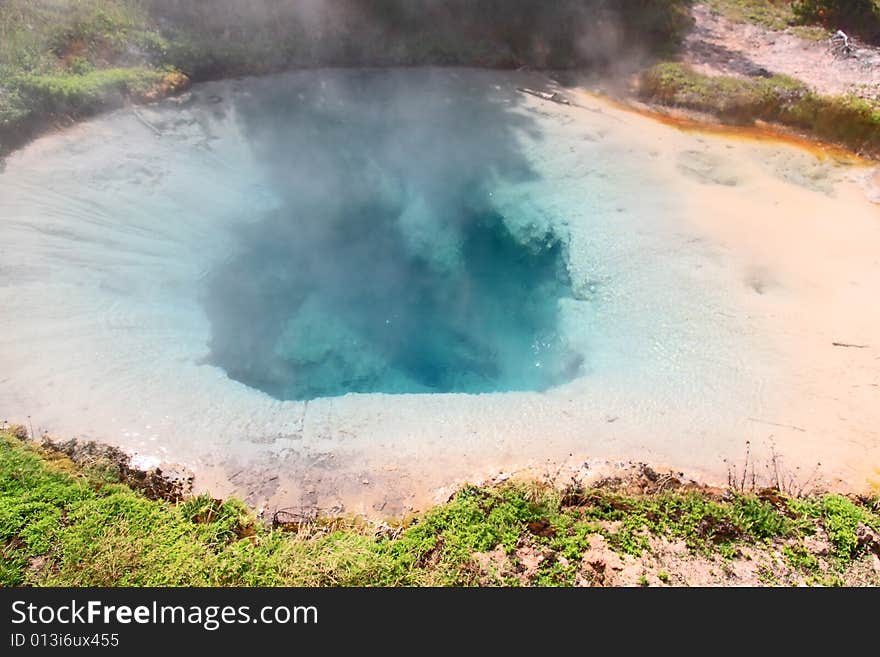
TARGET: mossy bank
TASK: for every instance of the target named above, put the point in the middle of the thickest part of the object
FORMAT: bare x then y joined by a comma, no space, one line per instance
68,525
848,121
61,60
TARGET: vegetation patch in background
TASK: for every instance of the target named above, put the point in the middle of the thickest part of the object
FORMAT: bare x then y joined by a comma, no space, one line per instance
772,14
62,525
213,37
64,59
859,17
846,120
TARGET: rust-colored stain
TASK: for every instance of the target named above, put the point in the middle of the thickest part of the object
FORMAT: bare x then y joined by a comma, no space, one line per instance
761,132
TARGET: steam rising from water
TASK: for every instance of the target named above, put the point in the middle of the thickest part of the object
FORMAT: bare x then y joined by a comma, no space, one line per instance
386,266
328,232
177,277
353,309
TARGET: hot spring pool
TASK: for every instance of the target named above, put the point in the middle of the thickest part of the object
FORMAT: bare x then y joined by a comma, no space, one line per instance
354,287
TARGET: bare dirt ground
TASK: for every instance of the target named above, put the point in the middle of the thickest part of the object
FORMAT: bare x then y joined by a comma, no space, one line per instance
719,46
670,562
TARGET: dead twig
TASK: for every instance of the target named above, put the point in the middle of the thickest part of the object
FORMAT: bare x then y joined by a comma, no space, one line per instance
734,481
809,480
775,475
840,45
140,118
774,459
776,424
551,479
554,96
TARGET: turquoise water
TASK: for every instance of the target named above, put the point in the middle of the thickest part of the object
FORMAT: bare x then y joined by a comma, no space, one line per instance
353,309
387,267
212,277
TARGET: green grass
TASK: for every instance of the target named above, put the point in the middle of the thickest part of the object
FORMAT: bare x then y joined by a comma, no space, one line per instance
65,59
63,526
801,558
87,92
809,19
849,121
858,17
840,517
772,14
42,35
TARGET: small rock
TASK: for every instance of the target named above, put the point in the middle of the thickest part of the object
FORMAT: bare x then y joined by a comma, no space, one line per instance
37,564
868,538
183,99
171,482
759,72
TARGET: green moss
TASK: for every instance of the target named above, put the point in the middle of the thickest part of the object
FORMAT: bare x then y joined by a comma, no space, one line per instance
840,518
846,120
801,558
66,94
62,526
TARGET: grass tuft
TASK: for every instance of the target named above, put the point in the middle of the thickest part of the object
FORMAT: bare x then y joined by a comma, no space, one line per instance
845,120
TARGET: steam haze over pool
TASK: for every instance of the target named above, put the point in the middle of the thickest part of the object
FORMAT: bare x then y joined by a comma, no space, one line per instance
386,266
300,283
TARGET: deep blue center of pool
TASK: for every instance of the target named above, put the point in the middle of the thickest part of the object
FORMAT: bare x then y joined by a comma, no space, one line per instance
385,266
352,309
